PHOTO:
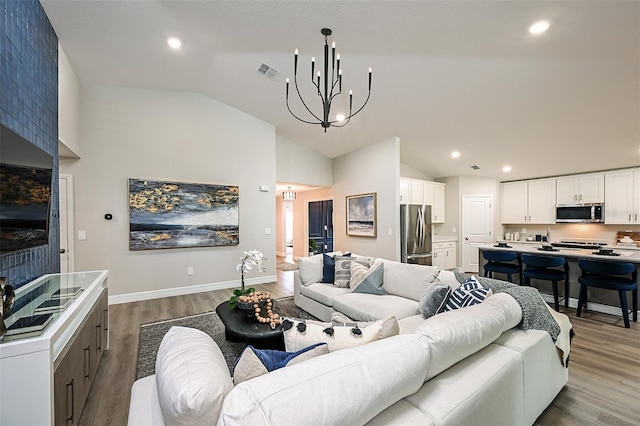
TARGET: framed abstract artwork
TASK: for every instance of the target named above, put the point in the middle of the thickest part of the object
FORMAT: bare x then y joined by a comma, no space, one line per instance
361,215
177,215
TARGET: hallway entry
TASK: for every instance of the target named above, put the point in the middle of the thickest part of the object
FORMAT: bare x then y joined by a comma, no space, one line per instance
321,226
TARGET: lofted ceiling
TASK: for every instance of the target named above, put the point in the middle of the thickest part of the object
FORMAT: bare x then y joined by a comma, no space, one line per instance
447,75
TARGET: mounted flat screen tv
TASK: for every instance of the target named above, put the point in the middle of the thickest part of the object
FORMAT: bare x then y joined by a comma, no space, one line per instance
25,193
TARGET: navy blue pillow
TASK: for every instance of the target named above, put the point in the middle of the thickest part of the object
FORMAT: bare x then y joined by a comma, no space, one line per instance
329,268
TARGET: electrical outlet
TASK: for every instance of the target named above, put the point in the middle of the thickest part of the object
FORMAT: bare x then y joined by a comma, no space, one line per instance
390,232
453,230
190,270
267,231
524,230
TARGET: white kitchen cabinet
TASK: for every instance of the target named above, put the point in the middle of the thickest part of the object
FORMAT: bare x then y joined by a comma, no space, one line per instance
434,197
587,188
417,191
531,201
444,255
424,192
405,191
622,197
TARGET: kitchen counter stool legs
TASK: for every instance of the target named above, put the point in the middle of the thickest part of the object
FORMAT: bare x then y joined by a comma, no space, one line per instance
544,268
618,276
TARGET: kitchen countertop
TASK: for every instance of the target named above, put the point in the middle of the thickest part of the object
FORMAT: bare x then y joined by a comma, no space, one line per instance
443,239
626,255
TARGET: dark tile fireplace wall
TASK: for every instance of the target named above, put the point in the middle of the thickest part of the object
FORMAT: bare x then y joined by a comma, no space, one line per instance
29,107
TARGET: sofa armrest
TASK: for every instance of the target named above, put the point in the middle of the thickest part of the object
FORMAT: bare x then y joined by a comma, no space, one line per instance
144,407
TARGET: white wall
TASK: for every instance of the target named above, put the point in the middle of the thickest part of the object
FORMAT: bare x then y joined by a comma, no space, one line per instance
409,172
173,136
69,91
374,168
296,163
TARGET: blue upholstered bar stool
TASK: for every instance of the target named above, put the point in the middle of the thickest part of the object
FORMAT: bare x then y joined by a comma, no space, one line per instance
610,276
545,268
497,261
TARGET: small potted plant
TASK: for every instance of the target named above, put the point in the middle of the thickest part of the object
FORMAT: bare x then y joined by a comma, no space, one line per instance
313,247
250,259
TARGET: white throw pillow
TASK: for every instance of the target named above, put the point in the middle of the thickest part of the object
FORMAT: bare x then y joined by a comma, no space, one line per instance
310,268
192,377
302,335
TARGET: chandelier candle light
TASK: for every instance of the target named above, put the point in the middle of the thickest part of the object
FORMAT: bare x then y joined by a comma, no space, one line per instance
330,89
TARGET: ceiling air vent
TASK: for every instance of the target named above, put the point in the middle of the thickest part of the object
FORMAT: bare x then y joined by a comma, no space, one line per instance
474,167
268,71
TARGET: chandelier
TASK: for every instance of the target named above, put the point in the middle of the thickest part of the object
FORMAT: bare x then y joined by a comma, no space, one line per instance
329,85
288,195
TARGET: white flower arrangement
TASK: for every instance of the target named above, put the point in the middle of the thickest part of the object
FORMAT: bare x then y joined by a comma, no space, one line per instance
250,259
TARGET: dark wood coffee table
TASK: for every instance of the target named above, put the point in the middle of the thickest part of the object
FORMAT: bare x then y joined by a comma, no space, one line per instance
238,327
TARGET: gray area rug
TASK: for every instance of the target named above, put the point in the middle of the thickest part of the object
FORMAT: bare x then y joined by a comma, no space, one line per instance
151,335
286,266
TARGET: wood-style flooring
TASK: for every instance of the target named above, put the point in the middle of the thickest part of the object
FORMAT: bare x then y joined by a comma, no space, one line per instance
604,373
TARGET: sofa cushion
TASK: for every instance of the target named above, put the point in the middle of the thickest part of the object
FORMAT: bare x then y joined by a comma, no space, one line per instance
454,335
256,362
329,268
370,307
192,377
323,293
407,280
410,324
343,269
144,407
367,280
299,334
349,386
482,389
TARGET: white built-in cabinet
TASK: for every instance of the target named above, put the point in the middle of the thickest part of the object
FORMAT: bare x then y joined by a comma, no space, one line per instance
587,188
444,255
622,197
416,191
532,201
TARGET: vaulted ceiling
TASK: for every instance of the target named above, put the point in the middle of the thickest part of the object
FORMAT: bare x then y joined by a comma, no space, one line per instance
447,75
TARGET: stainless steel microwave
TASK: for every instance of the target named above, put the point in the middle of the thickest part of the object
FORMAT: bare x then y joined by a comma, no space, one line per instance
580,213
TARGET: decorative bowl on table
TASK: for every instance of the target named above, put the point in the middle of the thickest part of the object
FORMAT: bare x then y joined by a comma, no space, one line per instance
248,307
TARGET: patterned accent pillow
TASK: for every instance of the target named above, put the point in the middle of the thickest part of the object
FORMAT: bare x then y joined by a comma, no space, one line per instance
343,269
469,293
329,268
367,280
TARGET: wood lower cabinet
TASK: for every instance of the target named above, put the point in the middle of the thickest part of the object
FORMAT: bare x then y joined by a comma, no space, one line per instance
78,364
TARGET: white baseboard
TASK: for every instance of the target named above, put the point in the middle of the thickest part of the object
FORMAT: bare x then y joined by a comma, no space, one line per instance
179,291
591,306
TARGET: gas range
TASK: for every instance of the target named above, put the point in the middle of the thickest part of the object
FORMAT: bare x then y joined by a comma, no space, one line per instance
588,245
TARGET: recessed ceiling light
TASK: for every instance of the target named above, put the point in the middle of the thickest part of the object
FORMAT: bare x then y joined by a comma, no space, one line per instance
539,27
174,43
455,154
506,169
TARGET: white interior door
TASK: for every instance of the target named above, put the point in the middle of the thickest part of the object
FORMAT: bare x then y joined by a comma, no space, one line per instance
476,229
66,224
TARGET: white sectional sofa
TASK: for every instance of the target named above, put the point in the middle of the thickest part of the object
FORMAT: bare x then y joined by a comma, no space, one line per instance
471,366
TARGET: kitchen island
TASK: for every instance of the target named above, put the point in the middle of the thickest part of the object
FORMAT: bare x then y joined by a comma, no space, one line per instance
599,300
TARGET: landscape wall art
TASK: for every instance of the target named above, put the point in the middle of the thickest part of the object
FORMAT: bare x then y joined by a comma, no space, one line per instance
166,215
361,215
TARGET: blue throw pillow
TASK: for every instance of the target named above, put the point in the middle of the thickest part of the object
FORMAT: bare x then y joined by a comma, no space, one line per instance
469,293
329,268
256,362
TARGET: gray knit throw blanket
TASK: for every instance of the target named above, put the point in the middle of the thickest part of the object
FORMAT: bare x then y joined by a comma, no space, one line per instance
535,314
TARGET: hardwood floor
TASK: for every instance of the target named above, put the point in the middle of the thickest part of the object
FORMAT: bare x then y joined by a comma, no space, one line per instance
604,373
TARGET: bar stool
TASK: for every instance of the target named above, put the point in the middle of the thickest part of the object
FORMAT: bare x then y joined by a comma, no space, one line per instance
609,276
497,262
542,268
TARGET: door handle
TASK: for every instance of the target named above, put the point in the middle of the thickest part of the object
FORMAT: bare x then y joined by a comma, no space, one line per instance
466,238
62,251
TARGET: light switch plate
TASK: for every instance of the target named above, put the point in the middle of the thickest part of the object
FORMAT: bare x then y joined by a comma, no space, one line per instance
267,231
82,235
264,188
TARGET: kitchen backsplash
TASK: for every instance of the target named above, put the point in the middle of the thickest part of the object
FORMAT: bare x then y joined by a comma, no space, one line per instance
571,231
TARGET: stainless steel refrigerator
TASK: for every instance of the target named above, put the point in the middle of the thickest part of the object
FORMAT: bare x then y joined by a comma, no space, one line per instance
415,234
